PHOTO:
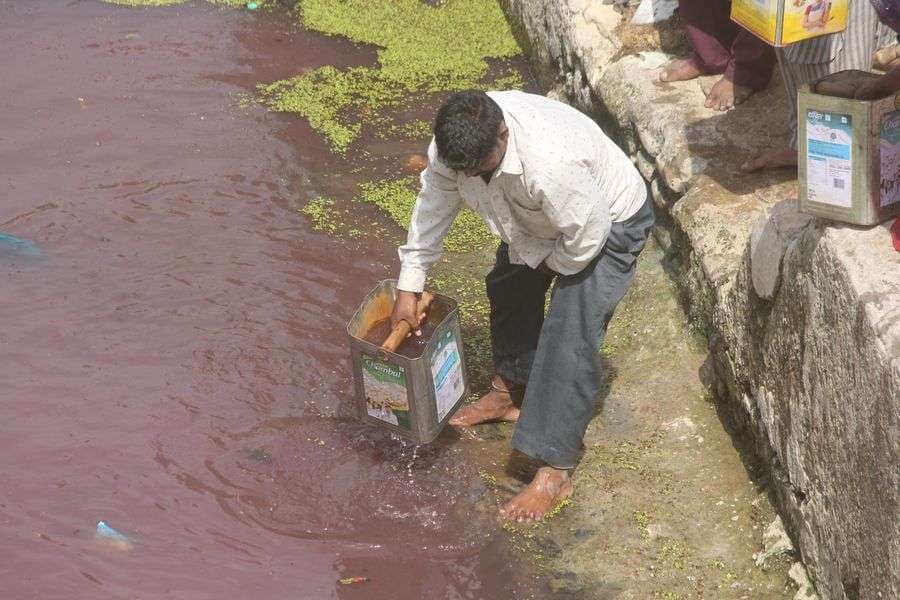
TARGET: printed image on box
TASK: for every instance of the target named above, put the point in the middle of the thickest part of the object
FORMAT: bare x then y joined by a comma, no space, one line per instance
799,19
829,166
385,389
804,19
446,374
889,149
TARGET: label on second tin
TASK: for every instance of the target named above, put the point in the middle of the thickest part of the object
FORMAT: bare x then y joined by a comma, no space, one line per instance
889,150
447,375
385,389
829,158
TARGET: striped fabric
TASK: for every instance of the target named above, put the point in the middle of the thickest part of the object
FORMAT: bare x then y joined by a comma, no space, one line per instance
810,60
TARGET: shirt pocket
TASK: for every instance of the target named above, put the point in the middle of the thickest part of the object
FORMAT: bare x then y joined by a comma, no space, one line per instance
518,198
468,192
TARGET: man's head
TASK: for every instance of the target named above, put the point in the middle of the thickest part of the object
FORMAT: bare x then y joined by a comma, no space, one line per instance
470,133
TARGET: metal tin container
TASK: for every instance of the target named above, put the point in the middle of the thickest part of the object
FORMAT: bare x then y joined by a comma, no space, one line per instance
849,155
413,397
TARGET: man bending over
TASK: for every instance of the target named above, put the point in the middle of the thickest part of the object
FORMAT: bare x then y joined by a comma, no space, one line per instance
571,211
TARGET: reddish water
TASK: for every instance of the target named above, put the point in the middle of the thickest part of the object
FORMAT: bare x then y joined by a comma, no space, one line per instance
175,361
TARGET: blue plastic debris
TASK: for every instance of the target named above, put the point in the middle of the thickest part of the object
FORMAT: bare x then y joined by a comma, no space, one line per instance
252,5
105,531
18,244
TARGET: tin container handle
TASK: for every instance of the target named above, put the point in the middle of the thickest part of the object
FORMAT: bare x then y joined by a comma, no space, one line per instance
402,329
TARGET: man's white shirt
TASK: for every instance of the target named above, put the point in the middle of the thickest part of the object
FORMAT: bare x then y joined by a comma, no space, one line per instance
560,186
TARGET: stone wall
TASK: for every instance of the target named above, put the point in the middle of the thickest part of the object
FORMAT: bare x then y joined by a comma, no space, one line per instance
802,315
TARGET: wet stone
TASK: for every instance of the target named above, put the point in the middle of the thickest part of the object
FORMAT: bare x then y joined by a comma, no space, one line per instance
547,546
566,582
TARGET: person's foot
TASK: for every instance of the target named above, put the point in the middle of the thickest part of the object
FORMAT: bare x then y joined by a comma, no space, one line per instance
680,69
771,159
726,94
499,404
548,488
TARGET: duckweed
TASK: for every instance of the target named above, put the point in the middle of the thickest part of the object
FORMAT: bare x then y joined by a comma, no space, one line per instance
642,520
323,215
397,198
414,130
489,480
422,49
556,509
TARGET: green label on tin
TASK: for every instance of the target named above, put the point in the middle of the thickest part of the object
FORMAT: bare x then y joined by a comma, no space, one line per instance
385,388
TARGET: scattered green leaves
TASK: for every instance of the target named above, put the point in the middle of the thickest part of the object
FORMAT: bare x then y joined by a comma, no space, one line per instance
397,198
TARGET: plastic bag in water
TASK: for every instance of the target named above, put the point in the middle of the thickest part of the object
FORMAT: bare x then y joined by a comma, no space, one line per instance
107,534
18,245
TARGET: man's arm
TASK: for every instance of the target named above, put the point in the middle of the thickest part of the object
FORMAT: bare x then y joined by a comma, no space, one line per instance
436,207
887,84
872,88
571,202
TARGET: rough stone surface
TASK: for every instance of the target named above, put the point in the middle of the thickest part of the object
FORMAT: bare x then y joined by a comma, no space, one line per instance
776,542
771,236
802,315
570,42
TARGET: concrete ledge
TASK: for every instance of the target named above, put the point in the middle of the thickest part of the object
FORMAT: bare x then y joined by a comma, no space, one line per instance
802,315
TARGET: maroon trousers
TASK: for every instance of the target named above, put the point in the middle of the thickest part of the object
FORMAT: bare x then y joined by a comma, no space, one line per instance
722,46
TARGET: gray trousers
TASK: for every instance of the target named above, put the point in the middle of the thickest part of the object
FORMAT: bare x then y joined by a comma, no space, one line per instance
559,357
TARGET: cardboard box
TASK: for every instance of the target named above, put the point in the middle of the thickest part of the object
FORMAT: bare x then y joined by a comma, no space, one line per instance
849,155
783,22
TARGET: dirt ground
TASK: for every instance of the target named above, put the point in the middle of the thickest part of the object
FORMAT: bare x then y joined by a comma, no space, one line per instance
666,506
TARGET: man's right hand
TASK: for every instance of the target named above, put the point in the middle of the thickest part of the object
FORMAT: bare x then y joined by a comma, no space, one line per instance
405,310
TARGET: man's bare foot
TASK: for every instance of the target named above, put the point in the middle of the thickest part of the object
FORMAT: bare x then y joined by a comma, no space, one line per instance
548,488
771,159
497,405
725,95
680,69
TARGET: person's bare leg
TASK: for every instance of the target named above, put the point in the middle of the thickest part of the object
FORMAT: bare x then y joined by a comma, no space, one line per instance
726,94
771,159
497,405
548,488
680,69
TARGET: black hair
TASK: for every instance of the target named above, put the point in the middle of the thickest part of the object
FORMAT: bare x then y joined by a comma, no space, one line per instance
466,129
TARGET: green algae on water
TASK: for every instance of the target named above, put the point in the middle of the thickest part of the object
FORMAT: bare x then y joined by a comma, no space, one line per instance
397,198
325,217
422,50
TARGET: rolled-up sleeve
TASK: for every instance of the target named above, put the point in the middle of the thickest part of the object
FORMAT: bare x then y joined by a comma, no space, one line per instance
572,202
436,206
